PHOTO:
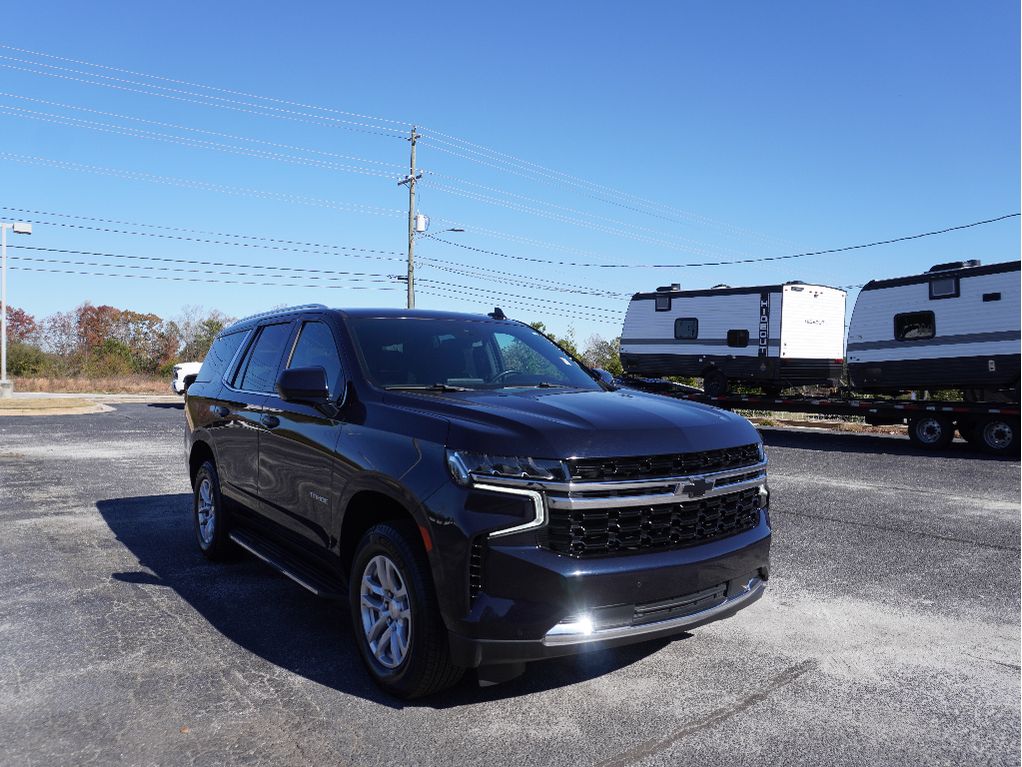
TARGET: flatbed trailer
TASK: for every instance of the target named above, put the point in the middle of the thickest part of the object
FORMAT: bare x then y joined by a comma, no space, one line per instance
989,426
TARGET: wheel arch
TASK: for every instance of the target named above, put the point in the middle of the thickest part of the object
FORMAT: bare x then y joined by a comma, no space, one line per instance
200,453
369,505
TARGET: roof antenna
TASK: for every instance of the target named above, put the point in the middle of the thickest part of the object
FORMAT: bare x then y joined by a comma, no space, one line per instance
497,314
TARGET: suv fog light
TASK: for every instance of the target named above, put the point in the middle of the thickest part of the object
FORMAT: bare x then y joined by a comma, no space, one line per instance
581,625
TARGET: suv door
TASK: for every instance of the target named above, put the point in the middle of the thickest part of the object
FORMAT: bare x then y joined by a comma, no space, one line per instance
296,454
243,396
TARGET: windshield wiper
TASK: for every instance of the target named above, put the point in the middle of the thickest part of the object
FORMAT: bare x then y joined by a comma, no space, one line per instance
426,387
540,385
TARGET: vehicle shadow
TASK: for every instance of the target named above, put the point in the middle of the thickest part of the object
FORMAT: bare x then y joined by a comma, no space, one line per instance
167,405
267,614
820,439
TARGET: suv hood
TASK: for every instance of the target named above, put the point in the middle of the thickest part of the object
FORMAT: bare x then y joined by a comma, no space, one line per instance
572,423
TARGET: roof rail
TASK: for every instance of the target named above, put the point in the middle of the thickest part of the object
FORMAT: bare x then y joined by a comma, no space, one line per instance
281,310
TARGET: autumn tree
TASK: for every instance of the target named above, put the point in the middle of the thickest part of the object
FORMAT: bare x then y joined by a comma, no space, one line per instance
21,326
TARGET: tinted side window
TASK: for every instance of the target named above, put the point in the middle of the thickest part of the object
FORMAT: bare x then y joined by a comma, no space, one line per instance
220,355
914,326
686,328
260,369
738,338
316,348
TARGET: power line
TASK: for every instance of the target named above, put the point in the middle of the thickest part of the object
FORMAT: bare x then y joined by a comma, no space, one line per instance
676,243
205,280
759,259
74,122
203,131
200,85
460,294
196,262
320,248
122,84
201,185
280,245
533,299
534,283
588,189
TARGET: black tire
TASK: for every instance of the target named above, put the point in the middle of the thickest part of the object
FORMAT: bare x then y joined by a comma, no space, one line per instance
425,665
715,383
997,435
931,431
211,531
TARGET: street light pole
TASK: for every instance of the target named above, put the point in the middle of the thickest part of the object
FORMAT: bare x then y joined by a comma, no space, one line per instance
6,387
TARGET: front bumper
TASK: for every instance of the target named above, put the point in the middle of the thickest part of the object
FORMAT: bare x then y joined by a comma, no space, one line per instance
542,605
575,636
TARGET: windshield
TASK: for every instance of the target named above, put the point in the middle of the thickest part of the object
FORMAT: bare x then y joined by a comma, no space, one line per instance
412,353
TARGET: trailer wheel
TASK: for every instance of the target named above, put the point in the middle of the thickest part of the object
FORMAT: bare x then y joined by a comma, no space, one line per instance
996,435
715,383
931,431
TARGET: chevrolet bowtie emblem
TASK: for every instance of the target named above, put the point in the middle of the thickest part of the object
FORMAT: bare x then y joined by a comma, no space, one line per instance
697,487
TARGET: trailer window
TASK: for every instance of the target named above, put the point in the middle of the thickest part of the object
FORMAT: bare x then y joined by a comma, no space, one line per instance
914,326
662,303
944,287
738,338
686,328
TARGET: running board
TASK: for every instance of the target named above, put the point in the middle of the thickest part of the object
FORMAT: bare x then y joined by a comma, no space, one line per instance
289,565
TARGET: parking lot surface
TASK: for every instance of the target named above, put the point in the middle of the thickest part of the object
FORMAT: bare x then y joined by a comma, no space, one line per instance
889,633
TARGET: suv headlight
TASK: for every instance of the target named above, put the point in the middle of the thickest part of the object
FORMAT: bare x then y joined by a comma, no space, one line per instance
463,464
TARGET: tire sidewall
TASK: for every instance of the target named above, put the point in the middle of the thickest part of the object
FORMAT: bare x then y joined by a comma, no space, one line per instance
981,440
917,427
387,540
216,546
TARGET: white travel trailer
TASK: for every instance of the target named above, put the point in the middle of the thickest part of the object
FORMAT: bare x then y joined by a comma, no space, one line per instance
771,336
953,327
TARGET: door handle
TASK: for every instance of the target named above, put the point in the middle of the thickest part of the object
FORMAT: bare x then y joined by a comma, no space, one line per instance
219,411
270,421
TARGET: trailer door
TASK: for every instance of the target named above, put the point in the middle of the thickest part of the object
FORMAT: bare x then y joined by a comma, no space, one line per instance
812,322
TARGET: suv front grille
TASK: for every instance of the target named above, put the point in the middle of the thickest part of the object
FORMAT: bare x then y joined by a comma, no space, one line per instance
655,466
641,529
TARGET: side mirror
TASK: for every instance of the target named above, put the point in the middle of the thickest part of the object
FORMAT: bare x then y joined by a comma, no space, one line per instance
605,377
303,385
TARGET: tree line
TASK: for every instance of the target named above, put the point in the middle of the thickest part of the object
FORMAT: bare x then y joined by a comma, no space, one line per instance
102,341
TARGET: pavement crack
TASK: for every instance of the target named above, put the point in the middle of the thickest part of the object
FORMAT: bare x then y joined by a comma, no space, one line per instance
650,747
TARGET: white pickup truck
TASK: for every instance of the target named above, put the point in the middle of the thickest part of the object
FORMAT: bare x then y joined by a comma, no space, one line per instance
182,369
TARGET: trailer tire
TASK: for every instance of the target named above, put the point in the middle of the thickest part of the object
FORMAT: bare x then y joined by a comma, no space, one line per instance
996,435
931,431
715,383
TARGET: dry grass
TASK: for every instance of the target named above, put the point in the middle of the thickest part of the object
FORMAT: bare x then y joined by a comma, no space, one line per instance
115,385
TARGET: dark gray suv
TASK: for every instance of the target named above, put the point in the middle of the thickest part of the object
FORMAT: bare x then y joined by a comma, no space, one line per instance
477,496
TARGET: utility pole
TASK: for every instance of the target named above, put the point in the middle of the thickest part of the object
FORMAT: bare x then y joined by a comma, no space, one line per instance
410,179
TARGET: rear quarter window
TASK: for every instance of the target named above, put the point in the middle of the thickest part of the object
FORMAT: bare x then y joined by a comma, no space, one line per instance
220,355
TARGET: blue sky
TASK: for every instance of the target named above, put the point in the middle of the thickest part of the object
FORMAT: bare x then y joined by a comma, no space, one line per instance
604,133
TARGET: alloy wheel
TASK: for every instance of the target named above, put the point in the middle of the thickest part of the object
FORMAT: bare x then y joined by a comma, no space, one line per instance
386,611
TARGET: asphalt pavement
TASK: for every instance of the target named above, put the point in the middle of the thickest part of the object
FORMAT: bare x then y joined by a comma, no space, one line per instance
889,633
